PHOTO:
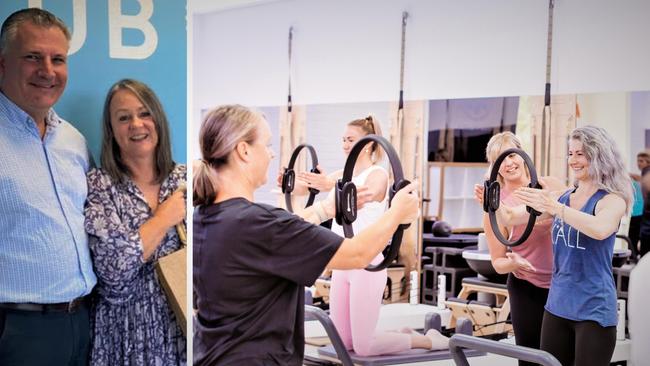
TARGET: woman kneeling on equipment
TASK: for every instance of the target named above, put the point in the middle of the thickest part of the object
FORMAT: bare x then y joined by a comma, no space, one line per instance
356,294
252,261
579,326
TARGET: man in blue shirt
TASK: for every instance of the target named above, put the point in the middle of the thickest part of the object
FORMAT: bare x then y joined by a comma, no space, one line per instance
45,266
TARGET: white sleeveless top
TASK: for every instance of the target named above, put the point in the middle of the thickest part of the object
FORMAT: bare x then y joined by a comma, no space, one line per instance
371,211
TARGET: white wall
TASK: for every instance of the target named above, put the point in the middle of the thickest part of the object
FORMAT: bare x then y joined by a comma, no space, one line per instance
348,51
610,111
639,123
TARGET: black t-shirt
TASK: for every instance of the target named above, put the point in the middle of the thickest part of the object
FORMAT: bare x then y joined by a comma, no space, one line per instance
251,263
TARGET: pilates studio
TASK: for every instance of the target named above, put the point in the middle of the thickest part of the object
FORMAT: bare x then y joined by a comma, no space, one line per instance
486,160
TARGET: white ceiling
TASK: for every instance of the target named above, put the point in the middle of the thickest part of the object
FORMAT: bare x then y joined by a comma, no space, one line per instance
208,6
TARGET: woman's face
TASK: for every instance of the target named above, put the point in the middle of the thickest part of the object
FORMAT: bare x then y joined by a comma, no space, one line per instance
578,161
133,125
351,135
512,168
642,162
262,152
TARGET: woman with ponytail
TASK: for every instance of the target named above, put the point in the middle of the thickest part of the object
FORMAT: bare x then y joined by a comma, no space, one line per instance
252,261
356,294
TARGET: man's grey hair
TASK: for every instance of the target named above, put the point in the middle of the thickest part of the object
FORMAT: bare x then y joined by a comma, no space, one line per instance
36,16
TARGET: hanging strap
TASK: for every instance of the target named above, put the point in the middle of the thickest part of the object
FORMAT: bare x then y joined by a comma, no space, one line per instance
289,102
546,113
289,123
400,105
503,114
442,154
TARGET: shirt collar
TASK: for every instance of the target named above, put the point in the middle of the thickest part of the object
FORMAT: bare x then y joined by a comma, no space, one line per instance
18,116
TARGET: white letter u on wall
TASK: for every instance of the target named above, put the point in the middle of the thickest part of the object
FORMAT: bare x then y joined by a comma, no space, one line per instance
117,21
78,22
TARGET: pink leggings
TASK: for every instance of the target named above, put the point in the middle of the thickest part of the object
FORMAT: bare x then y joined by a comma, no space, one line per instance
355,299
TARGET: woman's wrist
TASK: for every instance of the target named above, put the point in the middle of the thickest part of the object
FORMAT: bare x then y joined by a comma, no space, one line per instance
558,210
320,212
330,183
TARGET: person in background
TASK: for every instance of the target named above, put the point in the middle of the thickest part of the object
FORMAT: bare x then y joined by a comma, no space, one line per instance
644,226
134,204
642,161
46,272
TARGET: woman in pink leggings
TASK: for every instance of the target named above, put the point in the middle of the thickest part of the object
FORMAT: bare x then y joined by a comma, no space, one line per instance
356,295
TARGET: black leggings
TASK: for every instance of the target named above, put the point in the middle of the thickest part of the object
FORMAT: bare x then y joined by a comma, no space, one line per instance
526,311
579,343
645,245
633,234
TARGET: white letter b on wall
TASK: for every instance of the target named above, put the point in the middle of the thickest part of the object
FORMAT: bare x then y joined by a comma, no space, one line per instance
118,21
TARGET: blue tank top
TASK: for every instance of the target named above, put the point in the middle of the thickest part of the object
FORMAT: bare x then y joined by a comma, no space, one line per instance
582,284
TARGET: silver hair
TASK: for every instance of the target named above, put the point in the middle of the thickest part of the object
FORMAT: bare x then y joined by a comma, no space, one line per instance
606,166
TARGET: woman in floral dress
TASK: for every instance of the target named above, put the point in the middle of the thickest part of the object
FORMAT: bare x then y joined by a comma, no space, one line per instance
132,209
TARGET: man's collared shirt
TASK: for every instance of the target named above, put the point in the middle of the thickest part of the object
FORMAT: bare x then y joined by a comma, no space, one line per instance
44,255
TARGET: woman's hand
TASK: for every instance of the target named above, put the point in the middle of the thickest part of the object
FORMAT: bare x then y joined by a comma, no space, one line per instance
406,203
319,181
278,180
478,193
364,195
541,200
520,262
172,210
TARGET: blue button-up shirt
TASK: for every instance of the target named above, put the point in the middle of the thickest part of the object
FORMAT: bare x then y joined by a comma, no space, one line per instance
44,256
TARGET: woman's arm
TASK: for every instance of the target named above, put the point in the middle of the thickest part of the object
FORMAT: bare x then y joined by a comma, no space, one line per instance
169,213
606,220
518,215
359,251
604,223
319,212
321,181
376,184
502,260
116,248
497,250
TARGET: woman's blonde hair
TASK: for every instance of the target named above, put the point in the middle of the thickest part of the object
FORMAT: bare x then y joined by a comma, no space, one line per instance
495,146
222,129
370,125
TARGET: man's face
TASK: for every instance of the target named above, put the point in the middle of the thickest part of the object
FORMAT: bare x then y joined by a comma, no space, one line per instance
33,68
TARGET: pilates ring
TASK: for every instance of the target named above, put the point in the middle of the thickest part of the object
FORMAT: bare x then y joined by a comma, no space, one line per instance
346,195
492,197
289,176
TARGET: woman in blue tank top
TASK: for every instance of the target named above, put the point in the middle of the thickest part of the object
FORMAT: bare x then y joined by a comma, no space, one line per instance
579,326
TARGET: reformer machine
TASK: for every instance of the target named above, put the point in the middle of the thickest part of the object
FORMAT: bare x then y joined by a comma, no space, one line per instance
337,353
